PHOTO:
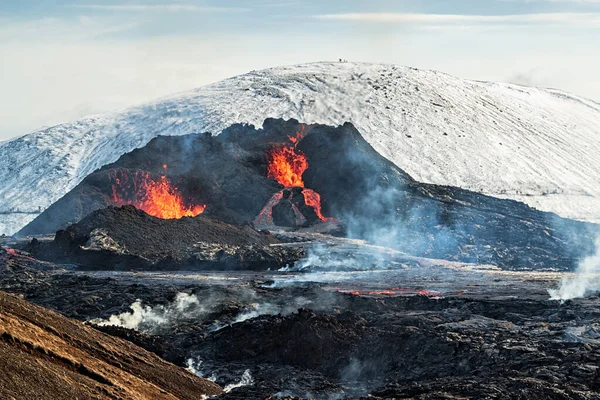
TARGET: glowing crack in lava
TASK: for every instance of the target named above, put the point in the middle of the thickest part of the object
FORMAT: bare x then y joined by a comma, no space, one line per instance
157,197
286,164
11,252
397,291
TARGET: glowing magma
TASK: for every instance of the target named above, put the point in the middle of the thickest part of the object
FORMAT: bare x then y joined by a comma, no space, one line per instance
286,164
157,197
313,199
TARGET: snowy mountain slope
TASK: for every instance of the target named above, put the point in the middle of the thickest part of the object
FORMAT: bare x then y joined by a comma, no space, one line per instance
534,145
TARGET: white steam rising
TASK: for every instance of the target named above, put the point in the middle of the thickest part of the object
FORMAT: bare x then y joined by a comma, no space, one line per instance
195,367
153,319
258,309
246,380
585,280
148,319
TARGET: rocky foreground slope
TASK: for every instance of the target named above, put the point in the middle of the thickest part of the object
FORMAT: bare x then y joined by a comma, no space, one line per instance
534,145
45,355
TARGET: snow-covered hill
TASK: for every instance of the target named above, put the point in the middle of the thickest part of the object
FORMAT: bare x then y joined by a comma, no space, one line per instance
538,146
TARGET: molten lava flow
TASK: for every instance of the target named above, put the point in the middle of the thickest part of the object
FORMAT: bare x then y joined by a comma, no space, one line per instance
156,197
11,252
265,217
286,164
398,291
313,199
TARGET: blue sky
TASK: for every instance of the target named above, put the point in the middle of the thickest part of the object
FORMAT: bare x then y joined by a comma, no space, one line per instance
65,59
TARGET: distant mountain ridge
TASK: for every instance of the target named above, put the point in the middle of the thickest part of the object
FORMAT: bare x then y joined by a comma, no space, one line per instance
539,146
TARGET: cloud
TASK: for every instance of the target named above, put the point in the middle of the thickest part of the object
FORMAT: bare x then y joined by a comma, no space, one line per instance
590,18
60,68
554,1
74,29
173,8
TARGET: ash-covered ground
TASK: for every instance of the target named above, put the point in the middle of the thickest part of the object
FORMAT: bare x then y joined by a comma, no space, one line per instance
349,320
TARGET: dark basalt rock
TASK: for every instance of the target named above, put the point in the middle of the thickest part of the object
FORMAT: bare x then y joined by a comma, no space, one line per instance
292,210
285,215
127,238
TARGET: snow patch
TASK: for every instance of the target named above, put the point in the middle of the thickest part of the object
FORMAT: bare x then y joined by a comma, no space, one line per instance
533,145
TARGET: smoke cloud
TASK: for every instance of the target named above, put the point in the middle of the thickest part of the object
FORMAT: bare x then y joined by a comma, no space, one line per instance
195,367
150,319
185,307
585,280
246,380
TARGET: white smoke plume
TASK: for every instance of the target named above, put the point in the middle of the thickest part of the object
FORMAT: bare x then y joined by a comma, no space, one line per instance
195,367
585,280
258,309
246,380
148,319
154,319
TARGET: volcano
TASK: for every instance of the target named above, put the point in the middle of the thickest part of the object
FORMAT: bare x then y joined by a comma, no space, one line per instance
261,176
538,146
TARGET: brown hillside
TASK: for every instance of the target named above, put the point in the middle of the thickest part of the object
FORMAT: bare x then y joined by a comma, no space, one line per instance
47,356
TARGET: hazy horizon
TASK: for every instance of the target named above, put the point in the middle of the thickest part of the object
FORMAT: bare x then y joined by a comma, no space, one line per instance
63,60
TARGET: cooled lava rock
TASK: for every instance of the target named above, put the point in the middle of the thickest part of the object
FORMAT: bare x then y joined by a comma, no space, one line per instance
285,213
128,238
292,210
491,344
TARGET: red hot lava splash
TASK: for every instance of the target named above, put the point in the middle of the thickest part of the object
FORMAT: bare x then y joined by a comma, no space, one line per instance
11,252
157,197
287,165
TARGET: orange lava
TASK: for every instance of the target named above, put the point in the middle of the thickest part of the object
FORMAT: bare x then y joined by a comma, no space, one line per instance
286,164
313,199
13,253
157,197
265,217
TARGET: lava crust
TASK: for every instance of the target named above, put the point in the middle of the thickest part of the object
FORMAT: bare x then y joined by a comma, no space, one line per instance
128,238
